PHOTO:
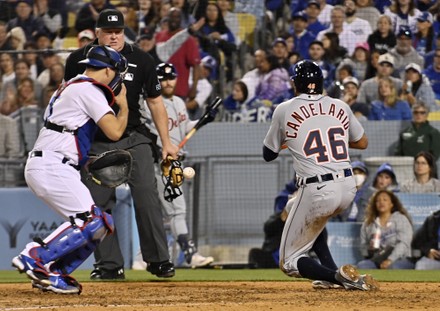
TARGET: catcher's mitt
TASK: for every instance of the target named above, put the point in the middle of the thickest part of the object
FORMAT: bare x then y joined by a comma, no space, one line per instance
111,168
172,177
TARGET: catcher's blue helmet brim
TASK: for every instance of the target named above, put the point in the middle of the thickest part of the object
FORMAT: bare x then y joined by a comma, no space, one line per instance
95,63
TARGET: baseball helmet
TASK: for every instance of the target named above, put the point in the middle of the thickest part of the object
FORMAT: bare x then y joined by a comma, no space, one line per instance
102,56
307,77
166,71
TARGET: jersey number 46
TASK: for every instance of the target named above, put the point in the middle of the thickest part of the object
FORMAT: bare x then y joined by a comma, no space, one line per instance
315,146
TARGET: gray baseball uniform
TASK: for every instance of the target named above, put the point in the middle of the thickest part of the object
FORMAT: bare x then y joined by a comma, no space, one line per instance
317,130
179,125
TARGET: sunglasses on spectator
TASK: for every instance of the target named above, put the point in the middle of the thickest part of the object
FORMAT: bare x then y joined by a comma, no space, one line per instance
419,112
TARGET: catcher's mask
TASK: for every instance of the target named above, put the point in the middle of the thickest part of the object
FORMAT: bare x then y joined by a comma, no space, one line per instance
102,56
172,178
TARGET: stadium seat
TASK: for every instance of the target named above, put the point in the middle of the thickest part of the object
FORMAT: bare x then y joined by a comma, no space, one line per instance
434,116
247,24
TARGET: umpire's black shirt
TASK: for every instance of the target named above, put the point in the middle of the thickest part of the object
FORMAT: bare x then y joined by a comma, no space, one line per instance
140,79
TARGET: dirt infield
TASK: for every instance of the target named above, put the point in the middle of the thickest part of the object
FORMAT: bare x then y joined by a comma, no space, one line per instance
125,296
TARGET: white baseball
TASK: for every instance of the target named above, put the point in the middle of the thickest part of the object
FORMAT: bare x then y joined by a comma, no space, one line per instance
189,172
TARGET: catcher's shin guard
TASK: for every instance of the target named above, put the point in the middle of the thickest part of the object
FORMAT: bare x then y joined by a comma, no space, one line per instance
73,245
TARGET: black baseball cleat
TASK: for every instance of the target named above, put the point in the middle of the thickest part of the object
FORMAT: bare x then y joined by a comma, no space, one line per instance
104,274
164,269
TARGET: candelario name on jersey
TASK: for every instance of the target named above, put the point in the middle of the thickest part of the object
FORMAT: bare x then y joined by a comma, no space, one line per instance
312,110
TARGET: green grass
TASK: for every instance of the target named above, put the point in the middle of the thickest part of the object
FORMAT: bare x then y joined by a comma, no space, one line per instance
226,275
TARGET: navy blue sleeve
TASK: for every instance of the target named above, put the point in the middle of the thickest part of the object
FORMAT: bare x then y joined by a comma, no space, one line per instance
268,154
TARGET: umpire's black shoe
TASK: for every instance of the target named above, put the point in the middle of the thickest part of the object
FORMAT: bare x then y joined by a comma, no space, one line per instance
164,269
103,274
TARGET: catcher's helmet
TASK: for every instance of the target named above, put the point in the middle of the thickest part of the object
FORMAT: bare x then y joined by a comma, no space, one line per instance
166,71
102,56
307,77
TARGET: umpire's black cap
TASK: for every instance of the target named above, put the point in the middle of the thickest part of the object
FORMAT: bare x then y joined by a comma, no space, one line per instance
110,18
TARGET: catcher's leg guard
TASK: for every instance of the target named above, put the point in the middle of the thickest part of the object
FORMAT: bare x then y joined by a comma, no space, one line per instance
73,245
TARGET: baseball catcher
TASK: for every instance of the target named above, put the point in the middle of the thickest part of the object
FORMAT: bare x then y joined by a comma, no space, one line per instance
72,117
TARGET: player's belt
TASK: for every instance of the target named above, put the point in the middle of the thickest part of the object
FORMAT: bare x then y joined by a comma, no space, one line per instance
39,153
326,177
59,128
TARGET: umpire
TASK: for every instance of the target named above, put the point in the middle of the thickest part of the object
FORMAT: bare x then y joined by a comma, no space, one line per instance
140,80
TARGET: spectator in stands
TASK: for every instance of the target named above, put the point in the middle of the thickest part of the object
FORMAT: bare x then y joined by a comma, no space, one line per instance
419,136
43,40
50,17
217,38
164,50
302,37
32,59
89,12
25,95
324,16
435,10
85,37
386,234
429,57
147,14
275,79
384,179
359,26
366,10
5,43
10,142
403,13
312,11
383,38
426,239
280,50
417,87
56,74
25,20
317,52
253,77
17,38
336,89
243,107
404,53
425,175
231,19
351,88
131,22
360,174
196,106
185,7
358,61
369,90
334,53
7,72
290,42
433,74
373,63
184,58
347,38
49,58
424,40
233,103
389,106
22,71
